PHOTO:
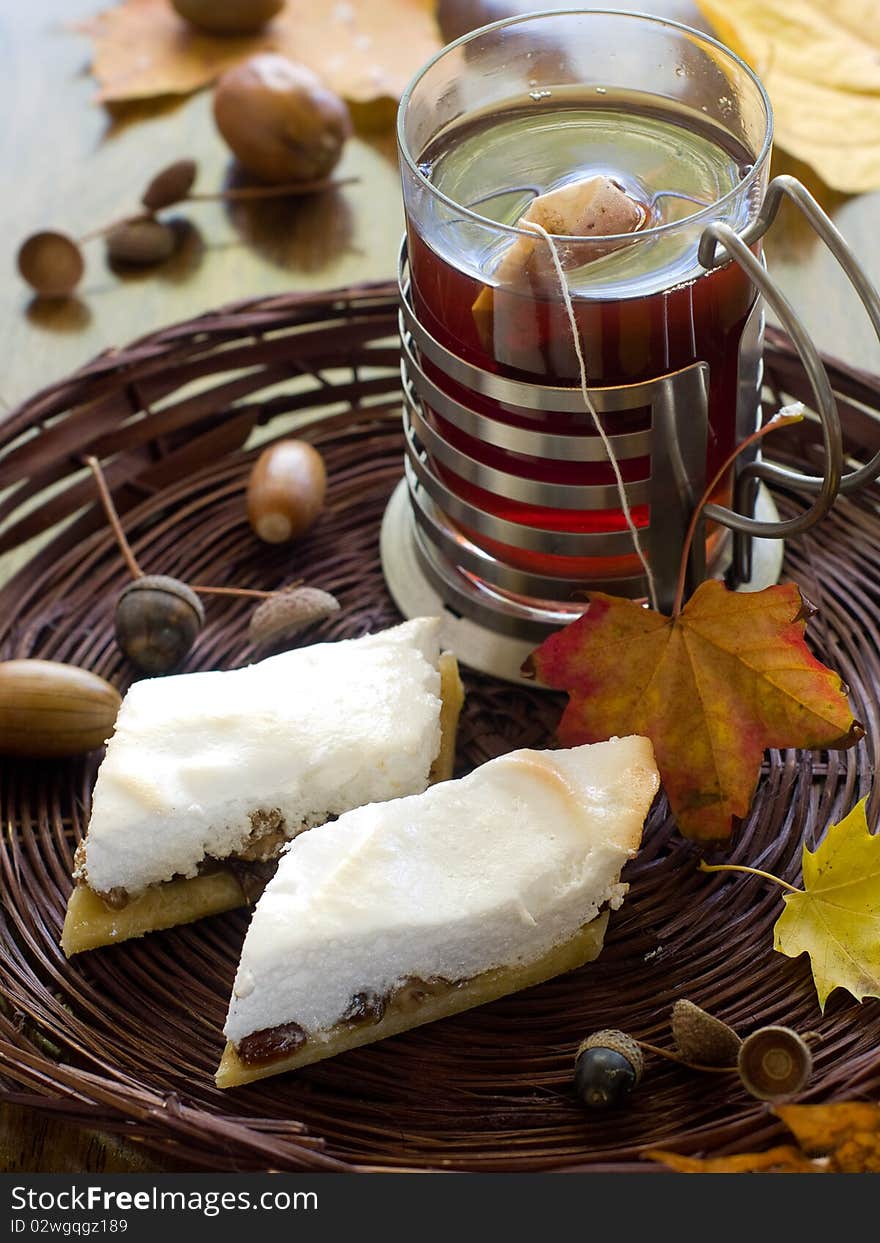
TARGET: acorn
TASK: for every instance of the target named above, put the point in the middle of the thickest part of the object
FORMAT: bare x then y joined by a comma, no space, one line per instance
774,1062
49,709
158,618
608,1067
286,490
141,242
701,1038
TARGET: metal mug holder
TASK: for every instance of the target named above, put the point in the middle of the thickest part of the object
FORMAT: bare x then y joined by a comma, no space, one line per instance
496,611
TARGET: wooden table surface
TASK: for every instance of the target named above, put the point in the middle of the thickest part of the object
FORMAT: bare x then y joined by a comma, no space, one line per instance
70,164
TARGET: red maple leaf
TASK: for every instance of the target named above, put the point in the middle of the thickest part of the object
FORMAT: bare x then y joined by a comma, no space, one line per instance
711,687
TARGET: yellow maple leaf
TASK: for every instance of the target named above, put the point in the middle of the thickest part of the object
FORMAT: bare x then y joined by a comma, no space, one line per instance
820,64
836,918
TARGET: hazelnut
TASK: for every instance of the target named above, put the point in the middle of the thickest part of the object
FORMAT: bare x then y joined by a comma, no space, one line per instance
279,120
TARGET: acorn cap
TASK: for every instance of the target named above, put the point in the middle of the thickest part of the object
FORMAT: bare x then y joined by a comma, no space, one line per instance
701,1038
170,185
774,1062
284,615
174,586
620,1042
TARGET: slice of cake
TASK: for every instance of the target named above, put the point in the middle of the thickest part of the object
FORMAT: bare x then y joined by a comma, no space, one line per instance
411,910
208,775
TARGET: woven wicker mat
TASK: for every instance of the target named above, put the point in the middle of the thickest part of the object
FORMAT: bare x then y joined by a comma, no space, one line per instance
127,1039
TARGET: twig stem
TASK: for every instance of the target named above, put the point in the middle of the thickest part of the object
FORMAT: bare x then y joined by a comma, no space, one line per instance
292,190
779,420
682,1061
131,561
253,592
739,867
237,193
114,224
113,517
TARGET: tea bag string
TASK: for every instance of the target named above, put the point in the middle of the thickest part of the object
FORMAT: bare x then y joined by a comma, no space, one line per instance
594,414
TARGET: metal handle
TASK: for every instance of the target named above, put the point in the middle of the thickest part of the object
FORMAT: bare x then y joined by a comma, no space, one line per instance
735,247
720,244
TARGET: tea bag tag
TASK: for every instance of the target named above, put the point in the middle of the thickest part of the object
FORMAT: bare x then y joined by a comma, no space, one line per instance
593,207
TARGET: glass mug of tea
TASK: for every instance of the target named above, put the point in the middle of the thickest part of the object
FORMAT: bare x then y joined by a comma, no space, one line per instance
569,396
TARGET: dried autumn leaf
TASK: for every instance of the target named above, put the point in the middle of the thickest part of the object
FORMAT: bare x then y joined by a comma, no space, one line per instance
844,1136
786,1159
820,64
364,49
143,48
848,1133
836,919
711,688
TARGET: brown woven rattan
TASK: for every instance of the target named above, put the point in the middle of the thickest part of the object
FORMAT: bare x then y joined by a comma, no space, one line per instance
127,1039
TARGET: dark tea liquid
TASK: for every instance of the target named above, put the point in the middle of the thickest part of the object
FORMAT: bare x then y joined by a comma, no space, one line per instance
642,311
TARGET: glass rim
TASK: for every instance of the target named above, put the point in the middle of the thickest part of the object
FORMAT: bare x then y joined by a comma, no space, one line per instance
708,212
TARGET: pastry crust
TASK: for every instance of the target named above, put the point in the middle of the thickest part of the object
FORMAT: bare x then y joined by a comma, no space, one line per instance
451,703
91,923
488,986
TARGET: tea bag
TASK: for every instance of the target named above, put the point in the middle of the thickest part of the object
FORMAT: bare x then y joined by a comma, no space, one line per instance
591,207
594,207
